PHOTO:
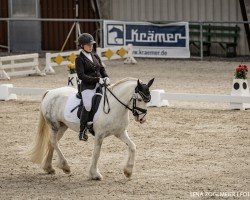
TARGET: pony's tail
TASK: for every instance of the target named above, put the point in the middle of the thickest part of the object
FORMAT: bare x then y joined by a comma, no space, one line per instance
41,145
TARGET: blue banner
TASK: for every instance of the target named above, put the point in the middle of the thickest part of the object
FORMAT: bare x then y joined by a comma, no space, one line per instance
155,36
149,40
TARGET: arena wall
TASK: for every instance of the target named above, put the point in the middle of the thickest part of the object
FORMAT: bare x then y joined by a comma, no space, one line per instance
181,10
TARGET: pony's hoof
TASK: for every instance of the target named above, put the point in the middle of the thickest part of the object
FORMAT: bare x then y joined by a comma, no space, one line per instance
66,171
64,166
50,171
96,177
127,173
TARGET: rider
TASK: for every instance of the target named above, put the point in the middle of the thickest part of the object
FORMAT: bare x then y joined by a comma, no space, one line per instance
91,72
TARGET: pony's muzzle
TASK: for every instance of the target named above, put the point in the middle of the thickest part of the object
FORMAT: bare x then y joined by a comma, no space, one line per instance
142,120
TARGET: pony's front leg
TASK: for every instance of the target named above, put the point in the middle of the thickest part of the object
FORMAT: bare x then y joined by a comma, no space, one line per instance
131,153
94,173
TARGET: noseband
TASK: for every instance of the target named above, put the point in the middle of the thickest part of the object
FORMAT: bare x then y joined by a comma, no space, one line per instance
136,111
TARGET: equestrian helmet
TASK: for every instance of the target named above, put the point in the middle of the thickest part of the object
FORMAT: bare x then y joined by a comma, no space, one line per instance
85,38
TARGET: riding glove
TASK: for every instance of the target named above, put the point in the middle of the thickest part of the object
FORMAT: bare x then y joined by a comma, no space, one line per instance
101,81
107,80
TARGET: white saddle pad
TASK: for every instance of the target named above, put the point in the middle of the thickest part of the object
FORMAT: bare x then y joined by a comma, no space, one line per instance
71,103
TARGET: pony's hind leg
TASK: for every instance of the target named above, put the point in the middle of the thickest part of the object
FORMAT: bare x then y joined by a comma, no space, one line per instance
55,137
47,164
131,153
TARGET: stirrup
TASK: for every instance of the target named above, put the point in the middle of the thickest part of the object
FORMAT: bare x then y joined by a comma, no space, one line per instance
90,128
83,136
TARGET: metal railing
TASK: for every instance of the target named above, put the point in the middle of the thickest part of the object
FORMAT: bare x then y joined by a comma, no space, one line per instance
100,21
202,23
8,20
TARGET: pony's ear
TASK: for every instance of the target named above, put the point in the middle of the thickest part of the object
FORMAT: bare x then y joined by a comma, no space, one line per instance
150,82
139,83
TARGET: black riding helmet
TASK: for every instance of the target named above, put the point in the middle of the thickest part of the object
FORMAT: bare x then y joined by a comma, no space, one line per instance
85,38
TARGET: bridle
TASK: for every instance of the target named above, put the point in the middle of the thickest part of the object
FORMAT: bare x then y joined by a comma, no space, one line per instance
136,111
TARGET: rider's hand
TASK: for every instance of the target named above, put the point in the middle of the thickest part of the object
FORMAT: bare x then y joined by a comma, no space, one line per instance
101,81
107,80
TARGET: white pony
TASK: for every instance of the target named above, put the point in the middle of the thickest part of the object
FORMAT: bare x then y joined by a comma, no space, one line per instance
127,94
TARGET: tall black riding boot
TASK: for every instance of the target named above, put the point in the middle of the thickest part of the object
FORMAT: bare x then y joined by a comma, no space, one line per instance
83,125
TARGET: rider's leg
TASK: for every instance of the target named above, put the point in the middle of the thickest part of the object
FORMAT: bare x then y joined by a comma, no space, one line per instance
87,96
83,124
95,104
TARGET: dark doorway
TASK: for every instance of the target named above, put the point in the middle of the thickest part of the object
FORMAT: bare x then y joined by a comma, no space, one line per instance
55,33
3,25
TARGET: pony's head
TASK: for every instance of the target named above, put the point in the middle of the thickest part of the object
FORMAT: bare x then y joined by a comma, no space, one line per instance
140,99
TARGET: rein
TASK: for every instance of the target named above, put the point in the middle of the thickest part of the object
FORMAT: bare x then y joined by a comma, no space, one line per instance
134,109
106,100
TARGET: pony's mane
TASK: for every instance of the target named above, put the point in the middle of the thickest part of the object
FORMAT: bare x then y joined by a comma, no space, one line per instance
122,81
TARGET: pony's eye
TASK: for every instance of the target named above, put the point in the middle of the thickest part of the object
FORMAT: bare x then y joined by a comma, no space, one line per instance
139,99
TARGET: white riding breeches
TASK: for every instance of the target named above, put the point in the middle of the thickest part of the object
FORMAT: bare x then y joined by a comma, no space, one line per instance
87,96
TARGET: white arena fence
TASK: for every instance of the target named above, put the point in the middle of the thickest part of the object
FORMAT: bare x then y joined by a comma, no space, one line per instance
8,92
161,98
19,65
109,53
205,98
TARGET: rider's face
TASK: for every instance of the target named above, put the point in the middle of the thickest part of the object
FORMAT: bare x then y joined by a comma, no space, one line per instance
88,47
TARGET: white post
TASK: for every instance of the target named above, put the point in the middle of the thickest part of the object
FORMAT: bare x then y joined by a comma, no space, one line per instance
48,68
156,99
5,93
73,80
36,68
240,88
130,59
3,74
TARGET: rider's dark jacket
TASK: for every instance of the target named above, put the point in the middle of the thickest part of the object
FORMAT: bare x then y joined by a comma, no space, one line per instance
89,72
